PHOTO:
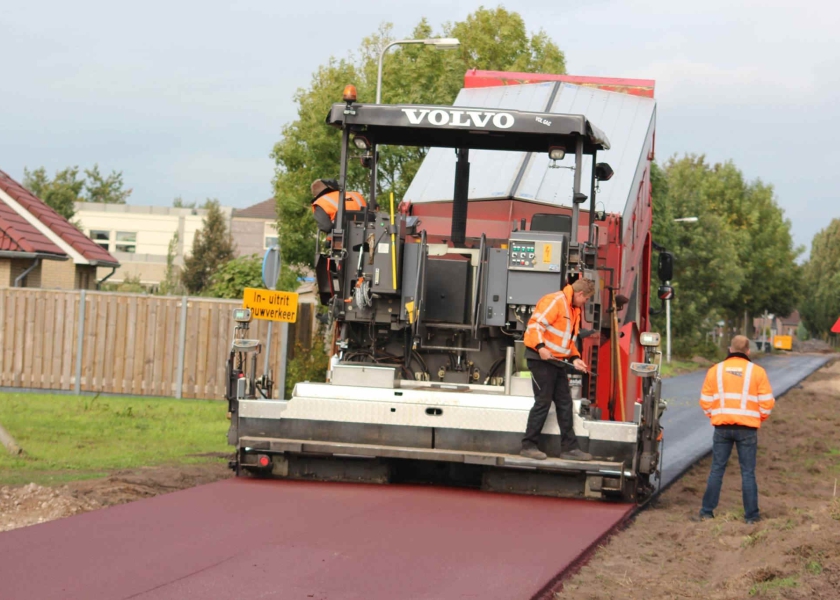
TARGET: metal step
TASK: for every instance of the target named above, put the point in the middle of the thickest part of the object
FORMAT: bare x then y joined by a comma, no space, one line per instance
281,445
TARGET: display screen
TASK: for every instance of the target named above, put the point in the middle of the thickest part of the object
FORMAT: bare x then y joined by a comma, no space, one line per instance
242,315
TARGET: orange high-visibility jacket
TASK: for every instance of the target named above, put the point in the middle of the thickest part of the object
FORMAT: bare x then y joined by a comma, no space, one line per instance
555,324
329,202
737,392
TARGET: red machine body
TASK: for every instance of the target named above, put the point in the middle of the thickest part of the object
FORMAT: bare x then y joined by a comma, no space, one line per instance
623,240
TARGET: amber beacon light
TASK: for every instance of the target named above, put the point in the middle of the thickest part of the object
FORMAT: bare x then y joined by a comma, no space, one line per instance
349,93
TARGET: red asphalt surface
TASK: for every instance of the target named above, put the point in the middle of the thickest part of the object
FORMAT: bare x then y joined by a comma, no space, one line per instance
247,538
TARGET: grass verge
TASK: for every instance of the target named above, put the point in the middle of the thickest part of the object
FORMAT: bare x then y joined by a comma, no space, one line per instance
680,367
68,437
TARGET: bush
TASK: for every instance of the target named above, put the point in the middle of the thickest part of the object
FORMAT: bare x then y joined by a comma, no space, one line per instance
308,364
231,279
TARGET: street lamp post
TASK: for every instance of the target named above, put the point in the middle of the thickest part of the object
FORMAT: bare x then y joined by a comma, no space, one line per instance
439,43
668,301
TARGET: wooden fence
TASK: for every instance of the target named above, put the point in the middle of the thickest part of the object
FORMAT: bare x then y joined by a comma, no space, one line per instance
127,343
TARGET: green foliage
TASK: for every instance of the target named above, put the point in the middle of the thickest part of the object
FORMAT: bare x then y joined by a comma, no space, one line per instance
130,285
820,308
490,39
179,203
308,365
773,585
738,257
212,247
66,188
108,190
60,193
72,437
231,279
801,331
171,284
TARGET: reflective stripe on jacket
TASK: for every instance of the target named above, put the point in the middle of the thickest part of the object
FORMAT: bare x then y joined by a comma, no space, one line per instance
329,202
555,323
737,392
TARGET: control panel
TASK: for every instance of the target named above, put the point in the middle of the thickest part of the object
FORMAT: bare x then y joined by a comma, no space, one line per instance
536,255
536,265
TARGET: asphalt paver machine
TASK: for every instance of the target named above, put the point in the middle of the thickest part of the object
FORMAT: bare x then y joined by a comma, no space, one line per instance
429,302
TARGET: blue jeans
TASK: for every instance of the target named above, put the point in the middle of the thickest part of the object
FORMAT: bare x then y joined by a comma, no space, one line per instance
747,442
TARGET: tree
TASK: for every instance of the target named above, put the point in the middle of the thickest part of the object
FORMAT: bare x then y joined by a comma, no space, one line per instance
179,203
171,284
706,274
60,193
764,244
820,307
231,279
308,150
66,188
738,257
212,246
107,190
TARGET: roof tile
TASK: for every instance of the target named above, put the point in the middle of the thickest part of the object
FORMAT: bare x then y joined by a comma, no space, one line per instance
55,222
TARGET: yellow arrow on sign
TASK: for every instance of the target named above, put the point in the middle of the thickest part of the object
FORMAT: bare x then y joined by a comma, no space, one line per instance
271,306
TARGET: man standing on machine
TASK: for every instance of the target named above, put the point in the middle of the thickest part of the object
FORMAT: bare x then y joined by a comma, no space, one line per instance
551,352
325,202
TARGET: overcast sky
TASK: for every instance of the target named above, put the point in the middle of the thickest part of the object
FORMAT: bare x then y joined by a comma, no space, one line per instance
187,98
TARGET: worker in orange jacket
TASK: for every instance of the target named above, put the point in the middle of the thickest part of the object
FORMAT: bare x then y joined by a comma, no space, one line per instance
550,338
737,397
325,196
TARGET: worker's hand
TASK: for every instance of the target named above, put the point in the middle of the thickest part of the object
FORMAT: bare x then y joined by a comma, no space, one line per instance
579,365
545,353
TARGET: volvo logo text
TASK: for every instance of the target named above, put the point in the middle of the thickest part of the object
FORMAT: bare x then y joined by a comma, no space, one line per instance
459,118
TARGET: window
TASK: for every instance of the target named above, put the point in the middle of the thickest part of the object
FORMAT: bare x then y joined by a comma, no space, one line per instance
100,237
126,241
270,235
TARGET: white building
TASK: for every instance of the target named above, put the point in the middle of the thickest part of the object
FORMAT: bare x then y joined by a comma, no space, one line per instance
139,236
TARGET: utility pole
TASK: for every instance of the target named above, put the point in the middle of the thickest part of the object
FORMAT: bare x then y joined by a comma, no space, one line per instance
668,328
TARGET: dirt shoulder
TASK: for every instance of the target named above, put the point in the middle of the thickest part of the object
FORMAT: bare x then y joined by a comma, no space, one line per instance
30,504
794,552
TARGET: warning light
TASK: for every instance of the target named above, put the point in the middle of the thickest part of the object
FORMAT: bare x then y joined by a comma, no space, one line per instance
349,93
666,292
263,460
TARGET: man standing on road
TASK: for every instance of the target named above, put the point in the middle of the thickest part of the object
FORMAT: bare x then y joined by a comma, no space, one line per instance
549,339
737,397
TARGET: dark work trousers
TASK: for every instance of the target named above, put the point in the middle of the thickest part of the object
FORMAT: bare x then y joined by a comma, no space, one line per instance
746,440
551,384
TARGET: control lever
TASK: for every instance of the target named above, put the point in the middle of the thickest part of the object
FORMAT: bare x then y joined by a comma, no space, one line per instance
568,364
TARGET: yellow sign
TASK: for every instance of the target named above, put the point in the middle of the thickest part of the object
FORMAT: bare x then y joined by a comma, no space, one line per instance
547,253
271,306
783,342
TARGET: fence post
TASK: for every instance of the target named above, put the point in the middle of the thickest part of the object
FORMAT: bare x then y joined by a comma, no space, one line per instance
182,348
80,343
284,356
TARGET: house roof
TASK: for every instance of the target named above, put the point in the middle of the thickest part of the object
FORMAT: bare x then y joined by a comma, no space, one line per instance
17,235
23,236
267,209
791,319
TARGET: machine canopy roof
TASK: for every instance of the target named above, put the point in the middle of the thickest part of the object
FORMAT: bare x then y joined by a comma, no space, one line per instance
459,127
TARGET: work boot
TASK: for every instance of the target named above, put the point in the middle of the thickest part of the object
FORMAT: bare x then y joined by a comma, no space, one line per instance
576,454
700,517
534,453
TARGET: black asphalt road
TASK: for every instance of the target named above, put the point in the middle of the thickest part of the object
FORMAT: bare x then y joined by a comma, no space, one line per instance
688,434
